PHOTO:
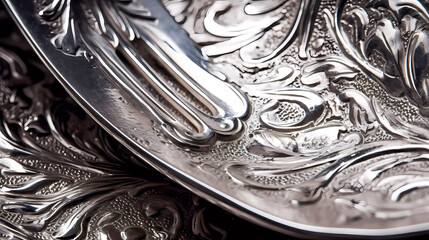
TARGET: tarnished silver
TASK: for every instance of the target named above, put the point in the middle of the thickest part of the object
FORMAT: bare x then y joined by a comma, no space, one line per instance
303,116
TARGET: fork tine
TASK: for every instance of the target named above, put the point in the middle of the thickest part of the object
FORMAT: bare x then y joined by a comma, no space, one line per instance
179,133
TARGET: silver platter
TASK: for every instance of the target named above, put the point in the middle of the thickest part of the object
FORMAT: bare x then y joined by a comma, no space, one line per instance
307,117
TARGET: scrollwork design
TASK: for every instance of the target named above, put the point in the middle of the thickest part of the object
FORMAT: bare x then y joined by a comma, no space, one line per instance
399,36
345,130
255,34
58,168
62,176
382,42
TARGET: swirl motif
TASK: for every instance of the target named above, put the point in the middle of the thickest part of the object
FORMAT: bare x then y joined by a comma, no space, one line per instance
352,124
63,177
338,128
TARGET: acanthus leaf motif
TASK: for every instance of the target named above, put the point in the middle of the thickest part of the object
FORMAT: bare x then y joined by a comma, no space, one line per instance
402,69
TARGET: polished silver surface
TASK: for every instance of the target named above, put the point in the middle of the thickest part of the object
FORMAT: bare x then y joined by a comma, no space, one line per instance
134,41
63,177
303,116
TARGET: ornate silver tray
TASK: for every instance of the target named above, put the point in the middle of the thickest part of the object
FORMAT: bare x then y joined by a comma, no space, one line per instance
302,116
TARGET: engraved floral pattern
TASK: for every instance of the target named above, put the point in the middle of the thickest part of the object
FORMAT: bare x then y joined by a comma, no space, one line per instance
338,122
63,177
